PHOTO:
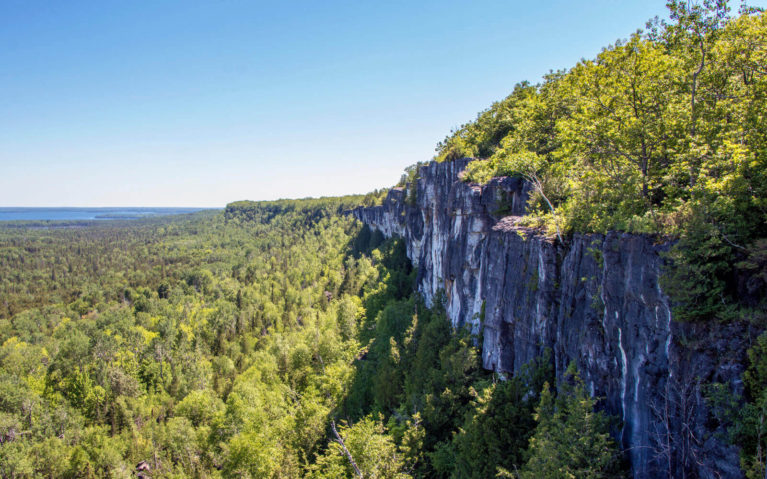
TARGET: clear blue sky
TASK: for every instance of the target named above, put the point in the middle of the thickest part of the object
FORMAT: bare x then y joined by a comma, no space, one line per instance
199,103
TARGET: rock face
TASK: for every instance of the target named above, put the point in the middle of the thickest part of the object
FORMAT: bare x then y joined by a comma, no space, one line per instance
595,300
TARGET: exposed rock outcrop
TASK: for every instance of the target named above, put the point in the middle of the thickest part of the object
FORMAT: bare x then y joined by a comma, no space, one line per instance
596,300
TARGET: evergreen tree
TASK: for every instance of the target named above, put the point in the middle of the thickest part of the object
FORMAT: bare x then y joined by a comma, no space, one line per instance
571,440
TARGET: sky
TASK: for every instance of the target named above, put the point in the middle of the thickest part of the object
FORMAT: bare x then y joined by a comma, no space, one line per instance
201,103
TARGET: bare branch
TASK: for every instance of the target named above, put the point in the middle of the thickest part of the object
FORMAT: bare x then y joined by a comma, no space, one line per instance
348,454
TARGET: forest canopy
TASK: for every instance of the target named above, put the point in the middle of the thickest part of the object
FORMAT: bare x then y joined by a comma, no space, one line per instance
273,339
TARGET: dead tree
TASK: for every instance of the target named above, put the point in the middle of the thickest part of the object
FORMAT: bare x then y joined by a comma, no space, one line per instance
348,454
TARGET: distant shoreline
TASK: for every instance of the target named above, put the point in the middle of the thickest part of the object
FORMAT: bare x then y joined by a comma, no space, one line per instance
10,214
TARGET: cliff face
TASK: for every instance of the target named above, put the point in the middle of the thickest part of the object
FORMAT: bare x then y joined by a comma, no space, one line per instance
596,301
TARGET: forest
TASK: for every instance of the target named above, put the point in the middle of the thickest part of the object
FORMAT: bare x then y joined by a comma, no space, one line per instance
276,339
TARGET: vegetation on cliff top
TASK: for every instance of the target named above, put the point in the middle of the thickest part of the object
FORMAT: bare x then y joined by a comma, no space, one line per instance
662,133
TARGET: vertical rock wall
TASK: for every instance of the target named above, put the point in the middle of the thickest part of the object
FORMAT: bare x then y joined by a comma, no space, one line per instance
596,301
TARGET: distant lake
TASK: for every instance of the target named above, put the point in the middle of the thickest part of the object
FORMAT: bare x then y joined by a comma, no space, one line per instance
53,214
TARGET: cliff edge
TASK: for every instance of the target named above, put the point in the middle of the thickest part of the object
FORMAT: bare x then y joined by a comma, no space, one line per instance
595,300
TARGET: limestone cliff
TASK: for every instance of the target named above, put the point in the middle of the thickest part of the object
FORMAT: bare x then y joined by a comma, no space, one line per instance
595,300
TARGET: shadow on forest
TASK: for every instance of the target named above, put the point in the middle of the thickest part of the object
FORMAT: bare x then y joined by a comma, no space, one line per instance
415,370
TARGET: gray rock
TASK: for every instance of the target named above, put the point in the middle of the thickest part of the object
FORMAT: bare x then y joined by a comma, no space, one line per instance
596,300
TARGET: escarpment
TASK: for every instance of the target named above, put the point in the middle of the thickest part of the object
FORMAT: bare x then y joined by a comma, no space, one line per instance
595,300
